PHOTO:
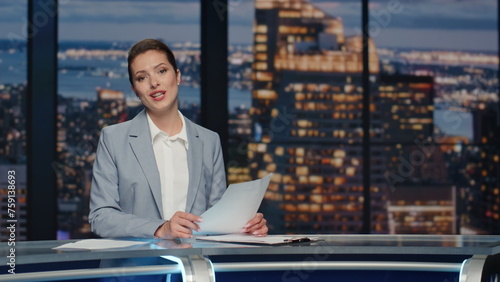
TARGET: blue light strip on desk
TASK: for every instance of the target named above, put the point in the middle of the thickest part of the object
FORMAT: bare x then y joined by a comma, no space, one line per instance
74,274
203,275
336,265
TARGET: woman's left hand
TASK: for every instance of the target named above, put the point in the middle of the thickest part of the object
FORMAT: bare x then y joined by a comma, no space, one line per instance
256,226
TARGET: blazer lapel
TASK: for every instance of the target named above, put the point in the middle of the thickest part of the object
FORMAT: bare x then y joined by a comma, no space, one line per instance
195,164
140,142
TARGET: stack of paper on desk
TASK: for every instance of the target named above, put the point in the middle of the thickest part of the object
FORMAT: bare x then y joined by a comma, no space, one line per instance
99,244
237,206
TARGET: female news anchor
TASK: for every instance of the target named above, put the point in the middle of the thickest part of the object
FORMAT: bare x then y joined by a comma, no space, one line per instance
154,175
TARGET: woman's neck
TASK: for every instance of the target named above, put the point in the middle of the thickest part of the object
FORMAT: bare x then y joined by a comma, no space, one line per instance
169,122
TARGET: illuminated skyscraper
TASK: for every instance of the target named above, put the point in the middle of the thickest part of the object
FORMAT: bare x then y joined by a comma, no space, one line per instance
402,116
13,159
480,187
420,198
306,115
404,109
424,209
111,106
239,132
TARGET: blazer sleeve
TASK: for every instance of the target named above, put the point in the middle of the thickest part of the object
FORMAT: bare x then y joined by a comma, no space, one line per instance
107,219
218,186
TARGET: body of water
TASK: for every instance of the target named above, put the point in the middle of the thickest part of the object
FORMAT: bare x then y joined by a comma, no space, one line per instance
80,78
13,67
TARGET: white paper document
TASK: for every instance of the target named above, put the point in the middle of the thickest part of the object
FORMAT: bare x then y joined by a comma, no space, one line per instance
237,206
99,244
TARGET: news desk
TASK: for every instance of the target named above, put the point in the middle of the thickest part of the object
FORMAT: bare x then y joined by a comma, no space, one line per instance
333,258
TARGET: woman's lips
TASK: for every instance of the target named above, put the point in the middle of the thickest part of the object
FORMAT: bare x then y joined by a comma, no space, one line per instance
157,95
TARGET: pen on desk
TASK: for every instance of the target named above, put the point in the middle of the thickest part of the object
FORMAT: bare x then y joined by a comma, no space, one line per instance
298,240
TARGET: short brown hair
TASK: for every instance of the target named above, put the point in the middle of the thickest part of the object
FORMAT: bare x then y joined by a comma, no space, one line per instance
145,45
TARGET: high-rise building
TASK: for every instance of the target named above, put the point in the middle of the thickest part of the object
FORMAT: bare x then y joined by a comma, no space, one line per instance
480,186
422,209
13,160
13,123
111,106
239,134
306,116
404,109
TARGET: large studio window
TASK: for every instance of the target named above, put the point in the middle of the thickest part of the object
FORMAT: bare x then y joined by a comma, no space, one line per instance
283,73
93,86
434,117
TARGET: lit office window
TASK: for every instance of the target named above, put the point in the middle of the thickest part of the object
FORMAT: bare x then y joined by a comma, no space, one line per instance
94,90
295,95
13,88
434,112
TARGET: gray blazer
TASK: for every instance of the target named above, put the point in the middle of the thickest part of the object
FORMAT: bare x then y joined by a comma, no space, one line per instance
125,199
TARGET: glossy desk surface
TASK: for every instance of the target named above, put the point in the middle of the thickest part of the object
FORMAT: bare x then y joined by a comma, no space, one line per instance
42,251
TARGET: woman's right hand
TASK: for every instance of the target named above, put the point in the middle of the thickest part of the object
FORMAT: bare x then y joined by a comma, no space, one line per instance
179,226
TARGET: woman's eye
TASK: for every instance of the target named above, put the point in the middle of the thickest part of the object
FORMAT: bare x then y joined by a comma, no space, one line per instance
140,78
163,71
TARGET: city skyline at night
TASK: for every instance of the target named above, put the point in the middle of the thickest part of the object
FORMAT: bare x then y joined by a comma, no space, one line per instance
308,70
72,160
295,105
404,27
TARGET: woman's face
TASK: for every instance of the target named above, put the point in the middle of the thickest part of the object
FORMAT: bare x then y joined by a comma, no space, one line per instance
155,82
